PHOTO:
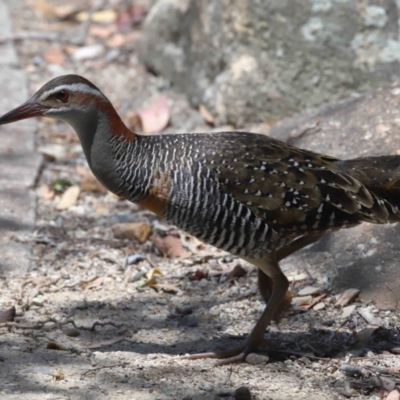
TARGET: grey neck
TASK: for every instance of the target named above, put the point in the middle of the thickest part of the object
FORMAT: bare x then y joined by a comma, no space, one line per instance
94,132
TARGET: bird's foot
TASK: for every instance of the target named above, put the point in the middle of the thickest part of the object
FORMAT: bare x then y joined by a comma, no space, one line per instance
231,356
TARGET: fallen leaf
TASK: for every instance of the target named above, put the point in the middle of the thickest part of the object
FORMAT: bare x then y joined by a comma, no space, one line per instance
132,230
347,311
346,297
151,277
206,115
309,291
155,117
95,283
236,272
116,40
54,55
45,192
68,198
102,16
7,315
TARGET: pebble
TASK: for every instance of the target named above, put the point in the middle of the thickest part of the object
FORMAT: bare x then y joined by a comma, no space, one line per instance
301,301
53,152
88,52
347,311
309,291
81,305
256,359
203,283
38,301
319,306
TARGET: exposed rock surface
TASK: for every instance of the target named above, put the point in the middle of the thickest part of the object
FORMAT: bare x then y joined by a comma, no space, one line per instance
251,61
365,257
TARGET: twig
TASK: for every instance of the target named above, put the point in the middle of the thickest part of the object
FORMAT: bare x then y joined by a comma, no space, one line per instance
123,365
57,324
33,35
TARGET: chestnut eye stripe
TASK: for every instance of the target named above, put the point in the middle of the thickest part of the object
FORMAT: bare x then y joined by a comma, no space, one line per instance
74,87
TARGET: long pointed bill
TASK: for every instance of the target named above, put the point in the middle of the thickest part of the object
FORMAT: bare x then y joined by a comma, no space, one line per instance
29,109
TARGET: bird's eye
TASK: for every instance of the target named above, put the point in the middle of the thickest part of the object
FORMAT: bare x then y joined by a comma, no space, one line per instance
62,95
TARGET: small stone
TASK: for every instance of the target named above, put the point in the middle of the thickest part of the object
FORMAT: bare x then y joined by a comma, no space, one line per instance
53,152
309,291
347,311
256,359
203,283
88,52
368,316
301,301
81,305
38,301
242,393
319,306
133,231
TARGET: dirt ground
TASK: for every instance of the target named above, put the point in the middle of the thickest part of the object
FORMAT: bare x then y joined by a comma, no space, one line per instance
102,316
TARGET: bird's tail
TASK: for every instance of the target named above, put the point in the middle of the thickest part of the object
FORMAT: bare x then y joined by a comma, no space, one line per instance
380,175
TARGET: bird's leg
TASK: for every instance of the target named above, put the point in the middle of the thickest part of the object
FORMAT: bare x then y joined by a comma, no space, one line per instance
273,286
270,267
265,282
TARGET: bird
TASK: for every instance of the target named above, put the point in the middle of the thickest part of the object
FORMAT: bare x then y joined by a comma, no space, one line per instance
248,194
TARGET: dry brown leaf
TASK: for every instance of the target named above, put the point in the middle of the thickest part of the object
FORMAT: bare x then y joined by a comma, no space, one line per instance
169,245
68,198
94,284
236,272
54,55
155,117
103,16
45,192
347,297
132,230
206,114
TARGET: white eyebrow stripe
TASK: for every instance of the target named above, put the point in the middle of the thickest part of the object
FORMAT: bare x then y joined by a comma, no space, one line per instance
73,87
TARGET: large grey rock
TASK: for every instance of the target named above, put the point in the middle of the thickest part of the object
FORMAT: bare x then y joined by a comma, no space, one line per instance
365,257
250,61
